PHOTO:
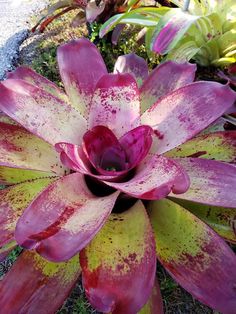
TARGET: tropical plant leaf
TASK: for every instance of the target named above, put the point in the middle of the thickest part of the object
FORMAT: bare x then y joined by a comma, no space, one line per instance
195,256
220,219
142,16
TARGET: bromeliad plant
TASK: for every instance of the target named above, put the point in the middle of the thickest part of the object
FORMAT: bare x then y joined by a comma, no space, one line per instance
89,11
114,176
205,31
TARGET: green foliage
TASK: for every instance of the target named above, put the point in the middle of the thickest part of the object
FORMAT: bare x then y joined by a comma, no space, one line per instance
77,302
8,262
127,44
46,65
59,31
204,32
14,254
167,286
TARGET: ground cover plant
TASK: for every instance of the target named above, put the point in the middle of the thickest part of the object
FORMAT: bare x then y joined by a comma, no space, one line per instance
85,197
199,30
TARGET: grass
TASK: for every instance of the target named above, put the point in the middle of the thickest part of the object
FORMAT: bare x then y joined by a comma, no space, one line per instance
9,261
77,302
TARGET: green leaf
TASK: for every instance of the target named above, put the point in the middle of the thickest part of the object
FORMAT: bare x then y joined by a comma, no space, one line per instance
218,145
172,27
141,16
220,219
35,285
195,256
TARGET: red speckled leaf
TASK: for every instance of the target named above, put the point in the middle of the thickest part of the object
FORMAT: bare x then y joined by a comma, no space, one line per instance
185,112
81,66
220,146
40,112
212,182
13,201
115,104
9,176
154,179
27,74
164,79
195,256
220,219
21,149
34,285
119,264
133,64
63,218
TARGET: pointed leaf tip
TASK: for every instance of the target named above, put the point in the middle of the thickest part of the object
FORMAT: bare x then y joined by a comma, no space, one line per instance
122,254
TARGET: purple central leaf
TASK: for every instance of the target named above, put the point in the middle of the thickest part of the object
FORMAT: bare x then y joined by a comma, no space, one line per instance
102,154
113,159
103,150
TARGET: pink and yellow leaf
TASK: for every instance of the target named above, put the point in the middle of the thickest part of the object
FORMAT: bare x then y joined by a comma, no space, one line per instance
35,285
195,256
115,258
218,145
13,201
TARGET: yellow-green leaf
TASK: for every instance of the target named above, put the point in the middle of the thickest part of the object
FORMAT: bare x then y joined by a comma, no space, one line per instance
219,145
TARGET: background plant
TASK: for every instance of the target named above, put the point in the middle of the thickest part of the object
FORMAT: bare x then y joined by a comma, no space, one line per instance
203,31
88,11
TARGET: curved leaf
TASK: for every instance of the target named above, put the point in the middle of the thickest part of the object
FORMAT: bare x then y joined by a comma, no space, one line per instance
40,112
164,79
81,66
38,80
121,255
154,178
115,103
133,64
188,110
212,182
154,304
220,146
13,201
34,285
171,29
220,219
63,219
10,176
195,256
148,16
21,149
